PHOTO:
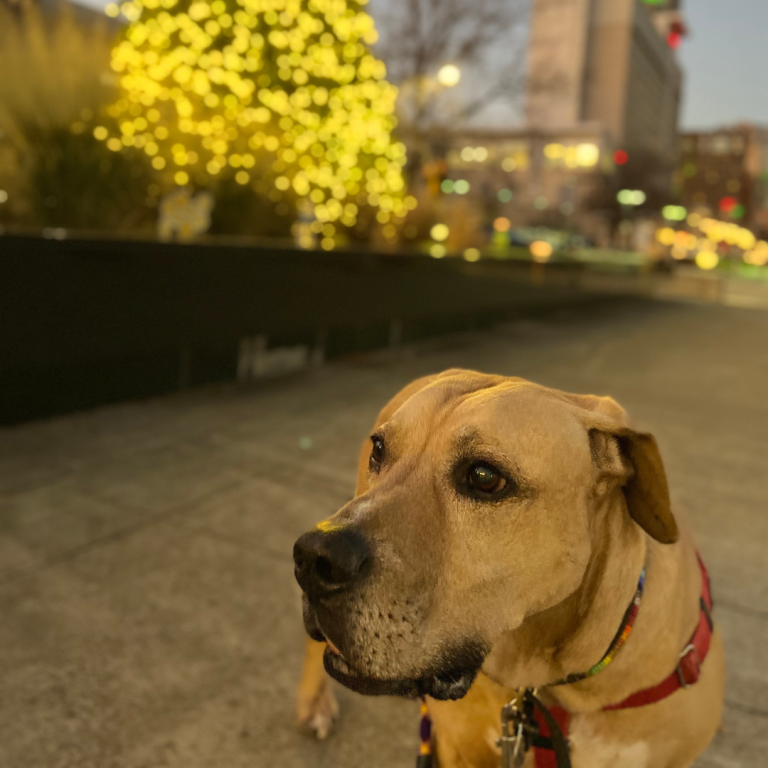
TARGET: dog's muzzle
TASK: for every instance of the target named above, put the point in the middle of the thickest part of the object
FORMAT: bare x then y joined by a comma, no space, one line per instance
327,563
330,564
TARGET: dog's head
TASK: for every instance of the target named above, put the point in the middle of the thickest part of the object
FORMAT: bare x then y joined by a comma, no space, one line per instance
475,508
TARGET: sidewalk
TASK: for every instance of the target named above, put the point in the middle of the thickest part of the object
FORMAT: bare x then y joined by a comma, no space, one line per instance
148,613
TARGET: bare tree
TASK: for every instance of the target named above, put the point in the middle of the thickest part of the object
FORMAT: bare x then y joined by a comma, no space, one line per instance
486,39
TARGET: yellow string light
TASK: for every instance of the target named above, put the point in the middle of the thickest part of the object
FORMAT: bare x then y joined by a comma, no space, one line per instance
209,84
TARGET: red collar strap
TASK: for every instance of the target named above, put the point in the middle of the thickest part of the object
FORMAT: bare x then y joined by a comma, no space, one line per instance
688,669
686,674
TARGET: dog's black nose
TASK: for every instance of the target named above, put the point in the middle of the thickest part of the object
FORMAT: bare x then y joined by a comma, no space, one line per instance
328,562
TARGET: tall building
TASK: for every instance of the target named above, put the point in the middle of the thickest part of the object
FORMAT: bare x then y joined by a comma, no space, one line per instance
611,63
724,173
603,90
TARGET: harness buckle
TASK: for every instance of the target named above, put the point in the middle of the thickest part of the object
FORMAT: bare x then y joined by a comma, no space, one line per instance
688,667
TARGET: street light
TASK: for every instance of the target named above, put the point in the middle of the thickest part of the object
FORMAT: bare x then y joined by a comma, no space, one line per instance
449,75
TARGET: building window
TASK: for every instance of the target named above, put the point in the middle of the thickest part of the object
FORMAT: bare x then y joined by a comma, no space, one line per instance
721,144
737,145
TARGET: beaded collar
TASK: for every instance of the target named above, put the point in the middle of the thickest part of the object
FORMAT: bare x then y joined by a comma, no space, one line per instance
618,641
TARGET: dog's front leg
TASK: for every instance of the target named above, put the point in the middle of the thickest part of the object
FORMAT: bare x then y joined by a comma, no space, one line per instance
316,706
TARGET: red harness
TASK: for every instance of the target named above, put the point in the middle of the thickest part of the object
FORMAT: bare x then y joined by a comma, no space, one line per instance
685,674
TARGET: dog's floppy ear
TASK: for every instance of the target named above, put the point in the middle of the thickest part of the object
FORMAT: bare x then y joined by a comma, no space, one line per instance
622,454
645,488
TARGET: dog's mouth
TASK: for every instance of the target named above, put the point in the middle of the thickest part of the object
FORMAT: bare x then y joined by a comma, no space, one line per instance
450,680
447,684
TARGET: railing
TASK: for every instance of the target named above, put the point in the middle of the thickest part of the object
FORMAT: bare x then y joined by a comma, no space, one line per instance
87,322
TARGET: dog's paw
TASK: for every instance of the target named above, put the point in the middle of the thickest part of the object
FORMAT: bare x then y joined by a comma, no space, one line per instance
316,714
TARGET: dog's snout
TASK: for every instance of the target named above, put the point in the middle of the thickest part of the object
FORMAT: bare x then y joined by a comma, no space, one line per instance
328,562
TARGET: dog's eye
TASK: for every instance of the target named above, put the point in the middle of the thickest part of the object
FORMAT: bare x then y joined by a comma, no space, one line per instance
485,479
377,452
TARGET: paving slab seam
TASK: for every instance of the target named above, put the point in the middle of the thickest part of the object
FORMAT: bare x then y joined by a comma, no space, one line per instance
115,536
757,613
746,709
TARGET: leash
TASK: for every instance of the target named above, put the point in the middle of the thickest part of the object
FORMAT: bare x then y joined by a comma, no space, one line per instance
526,723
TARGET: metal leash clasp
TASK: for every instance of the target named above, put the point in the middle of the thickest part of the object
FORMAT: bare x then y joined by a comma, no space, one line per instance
516,737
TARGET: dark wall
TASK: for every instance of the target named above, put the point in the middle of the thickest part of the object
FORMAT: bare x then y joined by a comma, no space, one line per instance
89,322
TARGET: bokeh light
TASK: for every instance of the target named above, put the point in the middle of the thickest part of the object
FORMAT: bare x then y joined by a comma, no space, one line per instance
461,186
226,86
437,251
707,260
439,232
584,155
449,75
474,154
541,250
631,197
666,236
674,212
620,157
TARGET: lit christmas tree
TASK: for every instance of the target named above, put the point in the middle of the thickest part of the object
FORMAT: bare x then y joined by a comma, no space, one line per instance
283,90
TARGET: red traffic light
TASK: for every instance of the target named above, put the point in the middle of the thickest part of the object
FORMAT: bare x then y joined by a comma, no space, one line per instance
676,31
620,157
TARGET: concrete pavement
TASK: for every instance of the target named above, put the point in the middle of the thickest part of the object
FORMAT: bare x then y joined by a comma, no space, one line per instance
148,614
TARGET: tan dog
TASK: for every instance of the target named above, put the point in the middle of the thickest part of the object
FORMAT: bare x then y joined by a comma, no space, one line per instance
495,541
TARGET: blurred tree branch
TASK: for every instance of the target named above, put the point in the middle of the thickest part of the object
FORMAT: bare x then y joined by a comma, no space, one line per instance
485,38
